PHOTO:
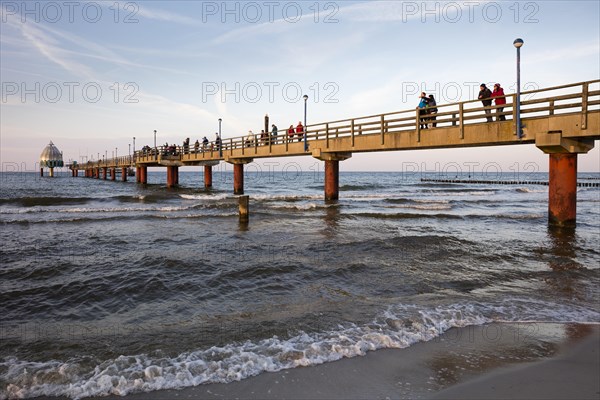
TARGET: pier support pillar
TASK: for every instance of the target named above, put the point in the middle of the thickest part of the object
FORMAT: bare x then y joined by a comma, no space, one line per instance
238,178
142,175
124,174
332,172
332,180
51,174
97,172
562,185
113,174
208,176
104,172
41,172
238,173
562,189
172,176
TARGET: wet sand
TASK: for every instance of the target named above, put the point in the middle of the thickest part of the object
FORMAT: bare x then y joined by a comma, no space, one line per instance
508,360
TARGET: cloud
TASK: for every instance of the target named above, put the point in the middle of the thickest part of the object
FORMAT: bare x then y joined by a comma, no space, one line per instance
162,15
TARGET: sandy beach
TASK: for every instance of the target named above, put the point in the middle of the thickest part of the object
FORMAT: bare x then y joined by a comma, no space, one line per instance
496,361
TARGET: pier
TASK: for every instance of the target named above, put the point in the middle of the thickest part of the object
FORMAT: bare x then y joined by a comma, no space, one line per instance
562,121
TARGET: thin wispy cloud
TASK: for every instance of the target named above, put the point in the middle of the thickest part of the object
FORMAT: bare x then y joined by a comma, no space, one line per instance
404,11
166,16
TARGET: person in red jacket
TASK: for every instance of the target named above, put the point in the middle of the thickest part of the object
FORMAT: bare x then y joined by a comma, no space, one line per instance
500,100
300,131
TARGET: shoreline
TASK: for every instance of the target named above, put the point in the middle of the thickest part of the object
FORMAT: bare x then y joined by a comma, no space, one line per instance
498,360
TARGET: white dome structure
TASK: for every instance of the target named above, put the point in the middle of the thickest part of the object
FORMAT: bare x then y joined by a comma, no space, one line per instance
51,157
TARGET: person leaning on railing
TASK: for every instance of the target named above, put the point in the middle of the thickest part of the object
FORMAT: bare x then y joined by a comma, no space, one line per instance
484,96
300,131
422,107
500,100
431,104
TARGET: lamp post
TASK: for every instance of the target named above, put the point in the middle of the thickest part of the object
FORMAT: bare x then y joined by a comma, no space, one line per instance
518,43
155,138
134,144
305,97
220,139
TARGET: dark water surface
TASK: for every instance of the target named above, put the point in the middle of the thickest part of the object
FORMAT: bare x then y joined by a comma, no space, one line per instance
114,288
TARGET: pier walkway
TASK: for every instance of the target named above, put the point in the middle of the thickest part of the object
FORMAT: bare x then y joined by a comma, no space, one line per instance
561,121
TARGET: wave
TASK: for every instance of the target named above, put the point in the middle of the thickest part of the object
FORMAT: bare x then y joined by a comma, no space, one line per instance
45,201
212,197
529,190
405,215
459,192
398,327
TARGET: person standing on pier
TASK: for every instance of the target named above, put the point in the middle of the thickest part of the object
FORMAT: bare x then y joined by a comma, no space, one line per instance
500,100
250,139
290,133
217,141
196,146
300,131
422,111
274,134
485,96
204,143
432,111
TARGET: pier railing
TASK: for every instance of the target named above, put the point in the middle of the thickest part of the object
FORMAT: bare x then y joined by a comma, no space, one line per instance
581,97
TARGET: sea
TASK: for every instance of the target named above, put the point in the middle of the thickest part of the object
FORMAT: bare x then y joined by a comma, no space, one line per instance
113,288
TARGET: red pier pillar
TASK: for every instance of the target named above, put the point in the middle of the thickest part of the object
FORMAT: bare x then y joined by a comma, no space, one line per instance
172,176
238,178
208,176
124,174
143,175
113,174
562,189
104,171
41,171
332,180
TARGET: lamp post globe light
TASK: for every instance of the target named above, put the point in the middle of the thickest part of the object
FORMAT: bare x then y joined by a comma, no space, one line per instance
305,97
518,43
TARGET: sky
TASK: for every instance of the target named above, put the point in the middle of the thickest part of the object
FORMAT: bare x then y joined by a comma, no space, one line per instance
91,76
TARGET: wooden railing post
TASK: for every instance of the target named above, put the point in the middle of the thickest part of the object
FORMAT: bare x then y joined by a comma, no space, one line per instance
418,125
382,129
584,105
551,107
461,120
352,132
327,135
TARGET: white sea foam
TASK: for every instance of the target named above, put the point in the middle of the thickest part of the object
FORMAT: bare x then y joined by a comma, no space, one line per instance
397,327
302,207
530,190
215,197
286,197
